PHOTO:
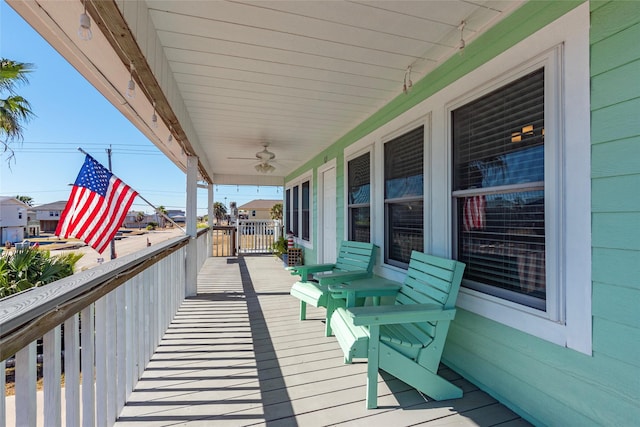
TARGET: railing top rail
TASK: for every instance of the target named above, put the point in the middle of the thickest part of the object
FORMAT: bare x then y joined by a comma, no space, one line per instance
32,312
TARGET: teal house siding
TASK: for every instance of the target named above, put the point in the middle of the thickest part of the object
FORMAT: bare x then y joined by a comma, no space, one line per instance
546,383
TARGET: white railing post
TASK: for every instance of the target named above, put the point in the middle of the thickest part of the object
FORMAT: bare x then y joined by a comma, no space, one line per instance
25,385
111,358
72,371
52,371
121,345
101,361
3,404
88,371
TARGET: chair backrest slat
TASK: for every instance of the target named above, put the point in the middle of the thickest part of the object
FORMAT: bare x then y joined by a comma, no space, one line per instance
355,256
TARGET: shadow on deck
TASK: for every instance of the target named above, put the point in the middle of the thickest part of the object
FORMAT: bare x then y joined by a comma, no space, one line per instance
237,355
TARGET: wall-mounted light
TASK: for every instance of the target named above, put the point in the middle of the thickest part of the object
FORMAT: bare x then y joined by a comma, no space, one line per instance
131,86
84,30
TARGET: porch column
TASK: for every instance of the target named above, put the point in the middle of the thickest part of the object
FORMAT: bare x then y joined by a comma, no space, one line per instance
191,214
210,219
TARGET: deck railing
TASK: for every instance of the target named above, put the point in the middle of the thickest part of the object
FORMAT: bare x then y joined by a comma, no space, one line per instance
112,317
257,236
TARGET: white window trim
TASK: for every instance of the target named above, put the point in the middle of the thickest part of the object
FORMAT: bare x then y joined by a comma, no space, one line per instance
307,176
348,156
567,321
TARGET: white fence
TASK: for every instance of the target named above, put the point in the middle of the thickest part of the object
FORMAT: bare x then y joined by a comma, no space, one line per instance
257,236
114,317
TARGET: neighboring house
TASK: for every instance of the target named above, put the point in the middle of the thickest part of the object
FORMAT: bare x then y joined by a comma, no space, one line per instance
257,209
13,219
33,224
518,157
48,215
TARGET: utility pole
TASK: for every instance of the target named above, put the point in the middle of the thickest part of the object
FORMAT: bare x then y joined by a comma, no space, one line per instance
113,241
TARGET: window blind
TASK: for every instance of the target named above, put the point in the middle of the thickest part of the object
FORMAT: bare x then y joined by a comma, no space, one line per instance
498,181
359,189
404,192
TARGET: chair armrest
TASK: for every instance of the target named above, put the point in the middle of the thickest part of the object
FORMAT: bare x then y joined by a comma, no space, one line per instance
304,270
390,314
341,277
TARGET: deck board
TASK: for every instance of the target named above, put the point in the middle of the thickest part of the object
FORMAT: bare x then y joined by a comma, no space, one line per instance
237,355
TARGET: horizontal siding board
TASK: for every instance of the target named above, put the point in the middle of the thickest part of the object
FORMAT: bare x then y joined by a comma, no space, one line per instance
606,89
607,373
613,18
559,399
607,197
618,341
616,230
615,51
616,122
619,267
616,158
612,158
617,303
563,375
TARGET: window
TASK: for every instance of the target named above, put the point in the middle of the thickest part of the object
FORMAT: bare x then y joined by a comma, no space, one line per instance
498,182
287,211
305,211
359,198
403,197
295,220
298,208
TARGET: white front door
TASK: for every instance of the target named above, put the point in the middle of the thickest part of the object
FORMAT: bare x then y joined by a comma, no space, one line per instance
327,205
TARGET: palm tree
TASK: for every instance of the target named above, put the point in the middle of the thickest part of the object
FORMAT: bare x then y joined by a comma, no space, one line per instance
15,111
139,218
162,212
25,199
219,211
276,211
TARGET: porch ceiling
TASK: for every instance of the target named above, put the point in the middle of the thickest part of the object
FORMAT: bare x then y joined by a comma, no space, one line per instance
294,75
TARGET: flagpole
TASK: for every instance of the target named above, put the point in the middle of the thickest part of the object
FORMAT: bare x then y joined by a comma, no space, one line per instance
113,241
143,199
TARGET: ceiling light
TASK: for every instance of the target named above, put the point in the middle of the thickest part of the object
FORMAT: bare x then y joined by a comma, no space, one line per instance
84,30
264,168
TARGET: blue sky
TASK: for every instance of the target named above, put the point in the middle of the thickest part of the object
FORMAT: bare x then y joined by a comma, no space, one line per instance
70,113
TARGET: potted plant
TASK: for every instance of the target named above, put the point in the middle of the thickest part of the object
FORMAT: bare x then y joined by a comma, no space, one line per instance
280,249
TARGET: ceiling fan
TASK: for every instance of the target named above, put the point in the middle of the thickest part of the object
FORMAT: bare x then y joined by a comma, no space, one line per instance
264,158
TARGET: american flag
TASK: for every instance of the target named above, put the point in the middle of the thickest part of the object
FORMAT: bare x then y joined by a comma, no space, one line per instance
96,207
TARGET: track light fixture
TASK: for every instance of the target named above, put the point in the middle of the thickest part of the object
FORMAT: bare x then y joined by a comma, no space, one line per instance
84,30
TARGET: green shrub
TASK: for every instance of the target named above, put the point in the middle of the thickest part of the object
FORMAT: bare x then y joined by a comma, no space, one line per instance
27,268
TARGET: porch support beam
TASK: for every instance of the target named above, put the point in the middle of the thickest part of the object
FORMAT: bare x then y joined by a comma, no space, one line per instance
210,218
191,218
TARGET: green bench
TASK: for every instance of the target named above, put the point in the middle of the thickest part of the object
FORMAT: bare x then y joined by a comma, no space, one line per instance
355,261
405,339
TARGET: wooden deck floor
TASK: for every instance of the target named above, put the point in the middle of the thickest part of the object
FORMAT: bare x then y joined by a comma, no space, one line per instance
237,355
